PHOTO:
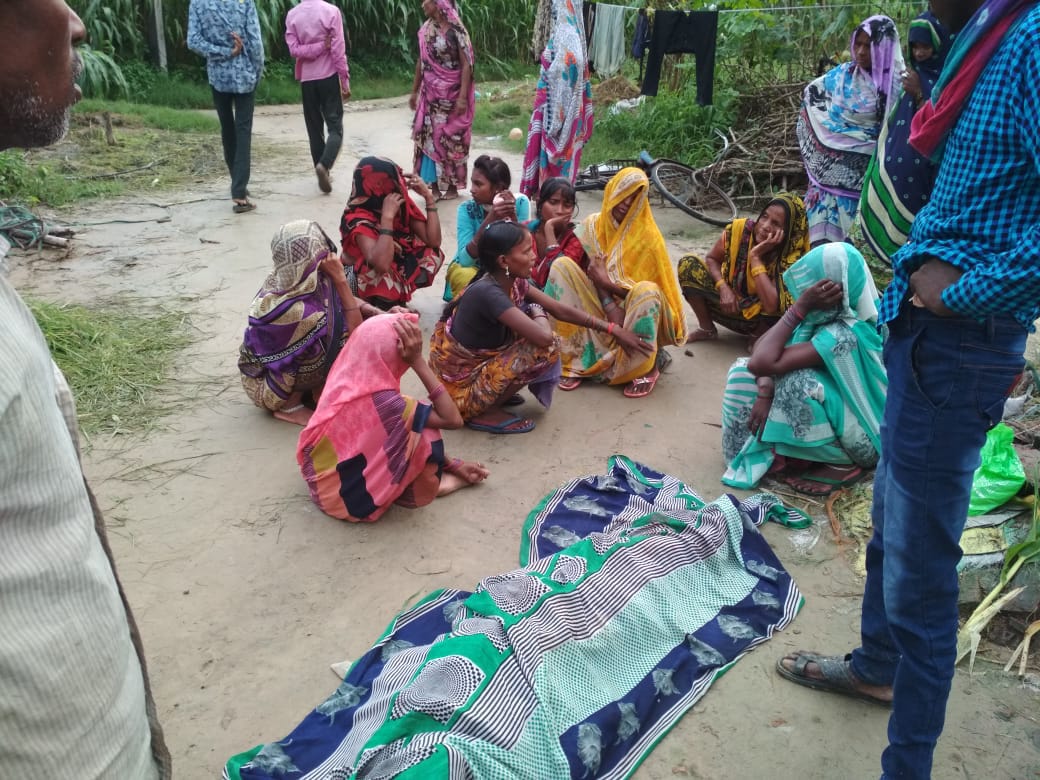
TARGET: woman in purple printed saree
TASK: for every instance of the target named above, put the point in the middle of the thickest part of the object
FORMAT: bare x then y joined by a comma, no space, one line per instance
298,322
442,98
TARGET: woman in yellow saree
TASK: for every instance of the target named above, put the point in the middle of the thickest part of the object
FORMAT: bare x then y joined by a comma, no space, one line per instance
739,284
630,282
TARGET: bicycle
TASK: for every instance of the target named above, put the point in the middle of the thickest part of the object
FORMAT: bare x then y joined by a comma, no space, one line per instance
689,189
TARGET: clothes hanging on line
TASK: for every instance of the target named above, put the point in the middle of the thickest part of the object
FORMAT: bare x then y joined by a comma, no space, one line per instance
607,51
684,32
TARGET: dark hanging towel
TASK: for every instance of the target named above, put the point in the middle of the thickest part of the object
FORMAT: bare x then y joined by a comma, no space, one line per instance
588,12
641,39
682,32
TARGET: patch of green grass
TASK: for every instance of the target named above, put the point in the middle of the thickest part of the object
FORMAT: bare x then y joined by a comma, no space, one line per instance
115,360
161,117
670,125
499,109
85,165
25,180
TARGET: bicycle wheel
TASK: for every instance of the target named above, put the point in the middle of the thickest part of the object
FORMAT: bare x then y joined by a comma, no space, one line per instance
596,176
687,189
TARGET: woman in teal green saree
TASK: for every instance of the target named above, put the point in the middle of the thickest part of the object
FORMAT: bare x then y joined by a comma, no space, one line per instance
809,400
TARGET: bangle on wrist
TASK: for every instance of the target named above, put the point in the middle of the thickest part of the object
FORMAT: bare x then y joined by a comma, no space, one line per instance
430,208
351,308
757,270
610,328
761,395
436,392
385,231
719,283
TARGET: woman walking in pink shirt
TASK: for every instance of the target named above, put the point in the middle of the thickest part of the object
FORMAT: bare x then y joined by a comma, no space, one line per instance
314,35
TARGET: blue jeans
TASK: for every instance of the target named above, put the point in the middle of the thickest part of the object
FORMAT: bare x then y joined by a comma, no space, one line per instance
947,381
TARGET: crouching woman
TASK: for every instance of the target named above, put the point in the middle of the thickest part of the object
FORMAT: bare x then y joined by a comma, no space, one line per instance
496,338
367,446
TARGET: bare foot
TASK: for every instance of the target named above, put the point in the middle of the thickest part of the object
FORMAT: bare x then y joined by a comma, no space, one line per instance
702,334
824,479
462,474
469,470
300,415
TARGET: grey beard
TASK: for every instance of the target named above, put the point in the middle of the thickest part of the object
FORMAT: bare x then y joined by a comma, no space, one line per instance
29,125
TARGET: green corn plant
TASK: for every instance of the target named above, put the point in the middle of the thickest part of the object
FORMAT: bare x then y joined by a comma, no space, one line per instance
102,77
113,27
1017,556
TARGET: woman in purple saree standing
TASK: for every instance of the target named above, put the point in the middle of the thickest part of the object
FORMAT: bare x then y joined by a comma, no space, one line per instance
442,98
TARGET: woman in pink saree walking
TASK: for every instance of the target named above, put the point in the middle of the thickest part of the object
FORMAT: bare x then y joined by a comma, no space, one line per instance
442,98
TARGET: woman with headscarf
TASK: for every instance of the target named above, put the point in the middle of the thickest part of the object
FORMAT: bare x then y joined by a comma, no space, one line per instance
630,282
394,247
298,322
367,446
490,201
561,122
899,180
809,400
739,284
442,99
838,126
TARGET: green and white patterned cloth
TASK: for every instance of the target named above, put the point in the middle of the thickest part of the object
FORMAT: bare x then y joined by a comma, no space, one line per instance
633,598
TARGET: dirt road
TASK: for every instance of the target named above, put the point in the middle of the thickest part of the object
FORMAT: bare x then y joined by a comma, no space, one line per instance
246,593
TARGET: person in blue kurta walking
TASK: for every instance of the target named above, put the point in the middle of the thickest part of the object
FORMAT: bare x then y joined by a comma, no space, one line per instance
227,34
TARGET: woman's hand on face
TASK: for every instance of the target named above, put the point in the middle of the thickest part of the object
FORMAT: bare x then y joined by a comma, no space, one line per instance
392,204
728,300
332,267
823,295
632,343
771,240
556,225
409,341
759,413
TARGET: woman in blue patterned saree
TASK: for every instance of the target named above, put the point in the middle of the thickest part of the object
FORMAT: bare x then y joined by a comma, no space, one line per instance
814,388
839,123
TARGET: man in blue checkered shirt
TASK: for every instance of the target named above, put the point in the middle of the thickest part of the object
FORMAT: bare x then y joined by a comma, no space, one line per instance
965,293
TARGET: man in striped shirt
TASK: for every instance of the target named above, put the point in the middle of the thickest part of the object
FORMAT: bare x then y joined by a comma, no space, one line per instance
966,291
74,698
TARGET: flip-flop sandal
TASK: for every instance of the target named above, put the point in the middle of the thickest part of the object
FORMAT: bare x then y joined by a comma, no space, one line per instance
569,383
513,424
242,208
837,676
642,386
827,485
515,400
